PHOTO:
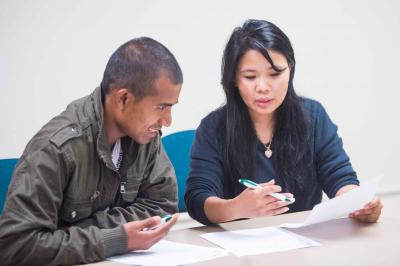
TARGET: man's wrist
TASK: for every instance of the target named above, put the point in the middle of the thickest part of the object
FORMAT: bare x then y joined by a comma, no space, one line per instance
115,241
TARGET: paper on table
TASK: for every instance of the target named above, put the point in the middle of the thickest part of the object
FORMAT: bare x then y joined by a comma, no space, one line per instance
169,253
340,206
257,241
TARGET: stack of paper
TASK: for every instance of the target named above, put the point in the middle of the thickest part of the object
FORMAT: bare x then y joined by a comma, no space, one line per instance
257,241
340,206
170,253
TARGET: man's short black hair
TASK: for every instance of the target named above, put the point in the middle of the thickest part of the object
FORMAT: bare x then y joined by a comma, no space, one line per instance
137,64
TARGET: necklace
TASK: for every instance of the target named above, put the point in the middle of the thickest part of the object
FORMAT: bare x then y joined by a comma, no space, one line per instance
268,151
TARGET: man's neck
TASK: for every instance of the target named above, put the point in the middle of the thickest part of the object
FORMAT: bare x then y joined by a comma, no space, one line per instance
111,128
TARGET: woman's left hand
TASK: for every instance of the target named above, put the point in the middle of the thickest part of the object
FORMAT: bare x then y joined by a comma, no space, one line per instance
370,213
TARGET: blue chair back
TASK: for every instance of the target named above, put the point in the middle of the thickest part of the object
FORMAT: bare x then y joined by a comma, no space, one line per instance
6,170
177,146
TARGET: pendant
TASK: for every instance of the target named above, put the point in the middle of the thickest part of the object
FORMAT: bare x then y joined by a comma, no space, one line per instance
268,153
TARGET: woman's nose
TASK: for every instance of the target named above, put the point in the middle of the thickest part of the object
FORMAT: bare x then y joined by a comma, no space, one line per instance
263,85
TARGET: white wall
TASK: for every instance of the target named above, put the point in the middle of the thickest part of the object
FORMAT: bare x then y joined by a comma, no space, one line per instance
52,52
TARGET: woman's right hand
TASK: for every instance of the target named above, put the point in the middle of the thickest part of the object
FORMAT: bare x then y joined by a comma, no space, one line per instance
258,202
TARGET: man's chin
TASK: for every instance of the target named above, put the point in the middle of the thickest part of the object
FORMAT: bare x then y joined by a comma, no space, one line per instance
147,138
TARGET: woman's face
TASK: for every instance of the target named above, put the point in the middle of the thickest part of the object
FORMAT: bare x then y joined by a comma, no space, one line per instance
260,86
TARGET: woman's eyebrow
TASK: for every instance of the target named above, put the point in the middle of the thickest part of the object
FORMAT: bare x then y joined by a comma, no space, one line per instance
247,70
281,68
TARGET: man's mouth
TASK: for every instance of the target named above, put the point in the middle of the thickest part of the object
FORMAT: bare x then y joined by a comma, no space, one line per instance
154,129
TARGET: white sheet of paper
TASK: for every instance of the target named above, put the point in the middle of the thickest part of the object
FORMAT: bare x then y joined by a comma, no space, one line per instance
169,253
341,206
257,241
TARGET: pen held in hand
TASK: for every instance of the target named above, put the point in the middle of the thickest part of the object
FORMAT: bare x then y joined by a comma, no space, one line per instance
163,221
253,185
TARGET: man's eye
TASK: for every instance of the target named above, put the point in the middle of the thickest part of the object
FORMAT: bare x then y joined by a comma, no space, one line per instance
161,107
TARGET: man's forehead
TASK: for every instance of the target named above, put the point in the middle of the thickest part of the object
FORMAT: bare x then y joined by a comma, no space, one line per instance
164,87
167,94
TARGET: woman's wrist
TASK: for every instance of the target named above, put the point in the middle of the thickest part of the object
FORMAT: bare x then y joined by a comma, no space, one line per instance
234,209
220,210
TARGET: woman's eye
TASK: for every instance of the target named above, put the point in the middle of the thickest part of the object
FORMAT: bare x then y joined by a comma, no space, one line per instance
275,74
250,77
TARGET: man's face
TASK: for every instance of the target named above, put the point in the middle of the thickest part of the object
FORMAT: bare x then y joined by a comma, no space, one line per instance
141,120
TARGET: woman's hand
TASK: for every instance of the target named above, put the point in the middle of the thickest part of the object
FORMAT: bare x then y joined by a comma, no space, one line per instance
258,202
370,213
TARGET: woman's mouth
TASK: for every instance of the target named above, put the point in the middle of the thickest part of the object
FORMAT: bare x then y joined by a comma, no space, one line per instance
263,103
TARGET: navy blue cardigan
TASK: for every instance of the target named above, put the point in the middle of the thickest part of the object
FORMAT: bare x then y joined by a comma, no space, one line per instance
331,168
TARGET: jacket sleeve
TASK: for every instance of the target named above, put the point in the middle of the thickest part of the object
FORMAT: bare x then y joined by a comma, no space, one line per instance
29,232
157,193
206,171
334,169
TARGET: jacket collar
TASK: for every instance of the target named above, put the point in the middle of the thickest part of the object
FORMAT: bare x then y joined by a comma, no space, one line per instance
129,146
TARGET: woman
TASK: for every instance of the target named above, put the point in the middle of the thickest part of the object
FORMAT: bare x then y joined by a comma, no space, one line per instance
267,133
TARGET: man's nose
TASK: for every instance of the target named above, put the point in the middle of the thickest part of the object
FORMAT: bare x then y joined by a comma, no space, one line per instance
166,118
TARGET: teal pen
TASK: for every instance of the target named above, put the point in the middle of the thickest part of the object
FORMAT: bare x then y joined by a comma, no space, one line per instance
165,219
253,185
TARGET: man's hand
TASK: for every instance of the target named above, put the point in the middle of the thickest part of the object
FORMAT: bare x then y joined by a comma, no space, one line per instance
138,239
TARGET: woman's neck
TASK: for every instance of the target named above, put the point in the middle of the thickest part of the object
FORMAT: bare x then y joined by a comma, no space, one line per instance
264,127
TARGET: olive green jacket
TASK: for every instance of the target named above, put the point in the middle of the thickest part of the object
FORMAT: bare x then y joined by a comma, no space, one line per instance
67,202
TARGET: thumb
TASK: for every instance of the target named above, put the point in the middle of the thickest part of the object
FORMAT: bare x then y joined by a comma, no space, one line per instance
270,182
150,222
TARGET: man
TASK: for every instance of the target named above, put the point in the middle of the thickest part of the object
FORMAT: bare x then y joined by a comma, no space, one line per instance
89,176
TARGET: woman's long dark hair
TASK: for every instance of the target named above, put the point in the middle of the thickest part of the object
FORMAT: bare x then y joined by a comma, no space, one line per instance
238,135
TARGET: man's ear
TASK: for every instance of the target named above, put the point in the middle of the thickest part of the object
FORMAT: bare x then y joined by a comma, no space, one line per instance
123,96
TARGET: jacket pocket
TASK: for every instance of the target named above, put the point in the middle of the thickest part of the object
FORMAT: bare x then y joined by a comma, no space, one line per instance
74,210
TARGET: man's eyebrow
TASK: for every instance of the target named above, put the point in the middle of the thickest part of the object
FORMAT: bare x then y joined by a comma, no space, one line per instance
168,104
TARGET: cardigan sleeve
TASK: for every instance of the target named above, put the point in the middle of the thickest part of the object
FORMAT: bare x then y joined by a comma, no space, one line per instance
334,169
206,171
